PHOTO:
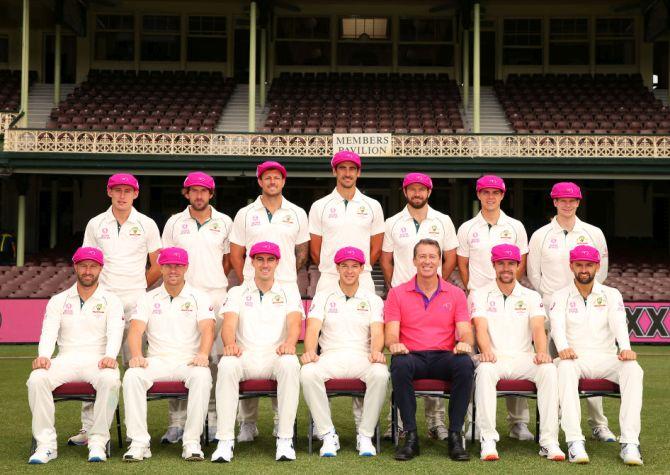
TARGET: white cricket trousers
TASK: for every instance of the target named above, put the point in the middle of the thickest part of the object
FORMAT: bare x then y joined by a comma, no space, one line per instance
522,366
136,382
69,368
129,300
627,374
285,369
344,364
177,407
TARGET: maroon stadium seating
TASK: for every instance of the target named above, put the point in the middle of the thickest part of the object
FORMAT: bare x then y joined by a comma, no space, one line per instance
341,103
10,88
585,104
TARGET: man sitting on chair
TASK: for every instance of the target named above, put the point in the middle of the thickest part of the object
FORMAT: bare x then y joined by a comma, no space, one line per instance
588,321
422,318
508,319
87,323
261,326
179,323
351,323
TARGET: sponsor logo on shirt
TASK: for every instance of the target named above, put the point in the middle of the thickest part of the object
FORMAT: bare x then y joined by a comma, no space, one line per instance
68,309
277,300
255,220
186,307
403,232
553,244
157,309
474,239
492,307
363,307
332,308
184,229
332,214
573,308
105,233
135,231
248,301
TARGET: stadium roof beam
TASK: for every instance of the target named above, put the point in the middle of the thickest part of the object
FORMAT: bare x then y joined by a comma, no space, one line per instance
252,67
25,60
476,68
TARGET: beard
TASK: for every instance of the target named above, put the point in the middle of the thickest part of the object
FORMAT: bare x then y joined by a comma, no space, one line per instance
87,283
199,205
416,205
585,279
506,279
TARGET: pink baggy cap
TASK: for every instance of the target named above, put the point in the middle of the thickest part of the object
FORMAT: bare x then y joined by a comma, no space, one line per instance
88,254
345,156
199,179
270,165
265,247
349,253
566,189
584,253
173,255
505,252
123,179
491,181
419,178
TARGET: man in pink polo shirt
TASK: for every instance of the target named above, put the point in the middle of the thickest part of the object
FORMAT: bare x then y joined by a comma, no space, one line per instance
423,318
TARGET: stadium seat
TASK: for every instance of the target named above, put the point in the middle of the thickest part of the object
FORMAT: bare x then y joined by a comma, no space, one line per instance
173,390
254,388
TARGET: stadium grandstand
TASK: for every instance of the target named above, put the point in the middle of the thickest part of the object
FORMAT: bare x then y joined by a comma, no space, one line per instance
535,92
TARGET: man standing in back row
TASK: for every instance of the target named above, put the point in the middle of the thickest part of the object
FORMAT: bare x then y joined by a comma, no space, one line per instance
203,232
549,268
402,231
270,217
127,238
476,238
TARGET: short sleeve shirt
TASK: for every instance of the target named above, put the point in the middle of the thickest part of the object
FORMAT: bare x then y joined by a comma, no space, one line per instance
172,323
206,245
287,227
346,321
426,323
262,316
342,223
476,238
125,249
508,318
401,234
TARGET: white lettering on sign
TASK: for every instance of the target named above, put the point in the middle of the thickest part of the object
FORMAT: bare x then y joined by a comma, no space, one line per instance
365,145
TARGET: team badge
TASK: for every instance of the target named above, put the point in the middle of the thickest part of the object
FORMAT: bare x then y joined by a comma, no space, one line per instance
99,308
600,302
215,227
363,307
506,234
520,306
135,231
287,219
582,240
186,307
277,300
433,230
362,211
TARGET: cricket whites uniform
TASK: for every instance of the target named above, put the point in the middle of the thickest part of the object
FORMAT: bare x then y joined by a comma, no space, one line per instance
345,348
174,338
85,333
342,223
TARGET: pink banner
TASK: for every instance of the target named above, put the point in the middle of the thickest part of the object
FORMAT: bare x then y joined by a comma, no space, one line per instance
21,321
649,322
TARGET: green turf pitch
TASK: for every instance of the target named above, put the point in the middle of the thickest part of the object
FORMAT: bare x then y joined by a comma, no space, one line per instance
258,457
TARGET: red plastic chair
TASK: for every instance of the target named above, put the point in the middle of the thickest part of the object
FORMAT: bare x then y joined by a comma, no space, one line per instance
173,390
253,388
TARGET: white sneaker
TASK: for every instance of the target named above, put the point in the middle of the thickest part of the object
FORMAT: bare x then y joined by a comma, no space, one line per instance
630,454
285,450
520,431
365,446
42,455
80,439
224,451
192,452
330,446
552,452
137,454
603,434
97,453
488,451
577,452
248,432
439,433
172,435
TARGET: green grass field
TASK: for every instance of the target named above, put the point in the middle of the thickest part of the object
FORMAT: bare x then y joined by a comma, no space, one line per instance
258,457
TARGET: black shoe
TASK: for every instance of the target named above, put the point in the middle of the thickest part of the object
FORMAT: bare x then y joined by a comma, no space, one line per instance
456,450
411,447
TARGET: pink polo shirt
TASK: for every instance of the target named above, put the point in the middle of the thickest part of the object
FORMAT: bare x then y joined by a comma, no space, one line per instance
426,324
